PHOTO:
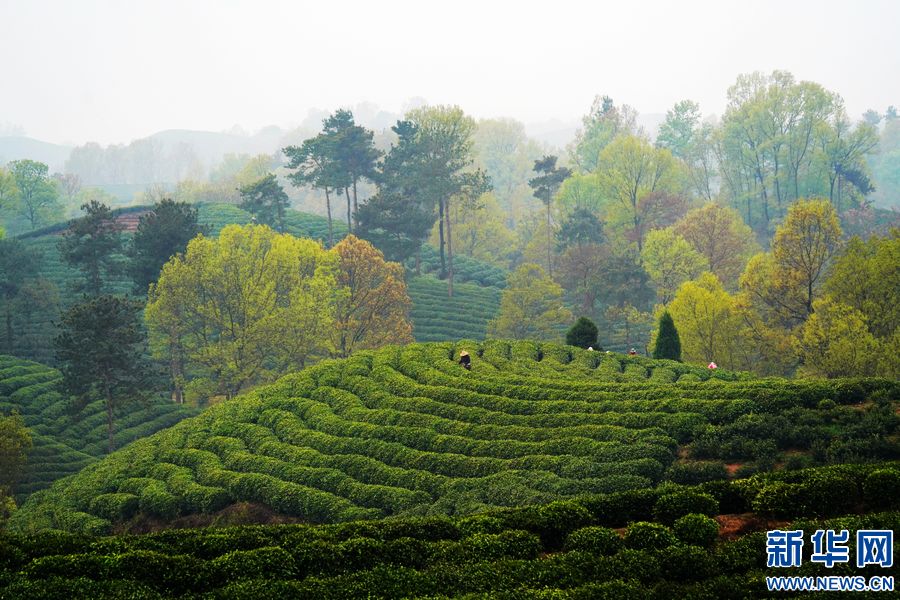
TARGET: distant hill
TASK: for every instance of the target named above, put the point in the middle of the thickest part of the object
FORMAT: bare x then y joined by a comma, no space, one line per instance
211,146
17,148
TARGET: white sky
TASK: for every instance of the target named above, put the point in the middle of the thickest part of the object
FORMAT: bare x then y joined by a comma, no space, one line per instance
111,71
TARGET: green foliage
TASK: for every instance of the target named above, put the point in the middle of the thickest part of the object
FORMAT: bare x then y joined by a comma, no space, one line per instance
668,344
596,540
103,352
671,507
649,536
530,307
93,244
582,334
161,234
266,200
696,530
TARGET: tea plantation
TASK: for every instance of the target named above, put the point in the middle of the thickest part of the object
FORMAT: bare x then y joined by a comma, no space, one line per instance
66,437
669,542
436,317
407,431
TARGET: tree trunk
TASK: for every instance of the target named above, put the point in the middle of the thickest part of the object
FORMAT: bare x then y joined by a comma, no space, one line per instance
449,253
330,226
441,237
355,208
349,223
549,243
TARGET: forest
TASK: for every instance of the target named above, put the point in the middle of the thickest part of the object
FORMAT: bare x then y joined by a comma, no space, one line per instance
429,355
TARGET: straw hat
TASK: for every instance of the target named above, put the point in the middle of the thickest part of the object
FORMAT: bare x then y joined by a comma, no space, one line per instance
463,353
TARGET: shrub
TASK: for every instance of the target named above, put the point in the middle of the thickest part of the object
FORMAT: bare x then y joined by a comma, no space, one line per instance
668,344
583,334
881,488
596,540
697,530
269,563
686,563
670,507
649,536
696,472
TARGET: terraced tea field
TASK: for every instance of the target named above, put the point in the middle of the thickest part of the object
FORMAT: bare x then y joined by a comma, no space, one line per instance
704,542
407,431
437,318
66,438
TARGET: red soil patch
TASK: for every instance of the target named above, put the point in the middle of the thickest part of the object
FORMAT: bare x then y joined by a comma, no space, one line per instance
240,513
735,525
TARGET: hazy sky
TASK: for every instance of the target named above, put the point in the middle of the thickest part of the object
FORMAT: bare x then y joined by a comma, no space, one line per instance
111,71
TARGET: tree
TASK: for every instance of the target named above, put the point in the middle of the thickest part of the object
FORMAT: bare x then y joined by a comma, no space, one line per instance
243,308
15,442
835,342
479,230
583,333
9,192
676,133
720,235
670,261
352,154
668,344
580,228
398,217
38,200
374,311
70,183
530,306
603,123
545,186
864,276
18,265
101,347
93,244
315,165
161,234
581,272
265,199
804,245
709,327
643,184
444,137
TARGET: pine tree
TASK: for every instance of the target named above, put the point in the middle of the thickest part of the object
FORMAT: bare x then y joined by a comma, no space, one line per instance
582,334
668,344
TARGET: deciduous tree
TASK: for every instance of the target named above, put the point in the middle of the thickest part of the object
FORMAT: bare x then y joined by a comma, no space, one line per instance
374,310
531,306
835,342
720,235
243,308
670,261
38,200
19,265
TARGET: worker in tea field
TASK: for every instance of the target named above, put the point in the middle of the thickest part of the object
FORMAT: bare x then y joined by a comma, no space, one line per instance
465,360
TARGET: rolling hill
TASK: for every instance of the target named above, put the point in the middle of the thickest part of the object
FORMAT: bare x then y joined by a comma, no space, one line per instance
406,431
67,437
